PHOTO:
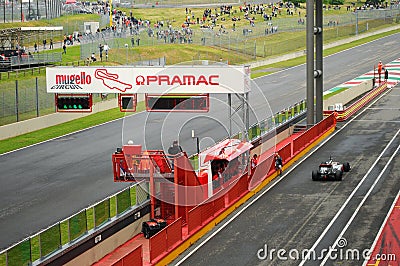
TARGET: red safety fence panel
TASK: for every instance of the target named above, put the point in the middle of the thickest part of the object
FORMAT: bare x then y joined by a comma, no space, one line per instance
261,171
242,184
233,193
118,263
312,134
158,244
194,219
134,258
207,211
219,203
174,233
271,160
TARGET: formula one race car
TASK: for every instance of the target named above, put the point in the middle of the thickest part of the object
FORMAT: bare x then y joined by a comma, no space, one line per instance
330,170
152,227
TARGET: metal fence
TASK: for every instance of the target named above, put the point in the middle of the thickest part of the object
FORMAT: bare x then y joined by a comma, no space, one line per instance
248,40
18,11
75,227
27,98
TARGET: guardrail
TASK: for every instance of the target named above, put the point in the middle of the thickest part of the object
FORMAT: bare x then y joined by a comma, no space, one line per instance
45,243
35,59
354,107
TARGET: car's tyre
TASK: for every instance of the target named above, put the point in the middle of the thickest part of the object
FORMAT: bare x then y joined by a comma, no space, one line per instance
346,167
338,175
314,175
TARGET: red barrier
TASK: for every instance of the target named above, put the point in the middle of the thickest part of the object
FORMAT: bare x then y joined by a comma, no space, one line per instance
219,202
158,244
312,134
242,185
207,211
233,193
174,233
262,170
134,258
194,219
118,263
286,152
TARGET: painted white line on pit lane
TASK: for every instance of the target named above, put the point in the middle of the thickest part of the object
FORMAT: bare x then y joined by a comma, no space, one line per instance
383,226
377,121
387,108
347,201
224,224
360,205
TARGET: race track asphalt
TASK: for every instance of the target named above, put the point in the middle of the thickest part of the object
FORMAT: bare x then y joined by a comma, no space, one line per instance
297,214
45,183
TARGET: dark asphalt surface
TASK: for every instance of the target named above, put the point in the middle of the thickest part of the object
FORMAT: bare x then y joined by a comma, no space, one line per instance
294,213
45,183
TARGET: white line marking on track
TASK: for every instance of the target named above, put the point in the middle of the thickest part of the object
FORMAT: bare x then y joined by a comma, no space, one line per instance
32,145
224,224
360,205
377,121
387,108
347,201
383,225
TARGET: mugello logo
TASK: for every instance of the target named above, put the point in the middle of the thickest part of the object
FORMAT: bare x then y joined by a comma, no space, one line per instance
72,81
177,80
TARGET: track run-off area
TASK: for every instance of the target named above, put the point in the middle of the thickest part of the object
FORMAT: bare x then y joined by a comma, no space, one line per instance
297,221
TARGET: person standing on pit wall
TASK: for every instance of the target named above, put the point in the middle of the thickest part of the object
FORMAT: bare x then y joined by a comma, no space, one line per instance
173,151
253,163
386,74
380,66
278,163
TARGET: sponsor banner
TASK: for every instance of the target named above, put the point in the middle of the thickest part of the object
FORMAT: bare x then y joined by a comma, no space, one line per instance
152,80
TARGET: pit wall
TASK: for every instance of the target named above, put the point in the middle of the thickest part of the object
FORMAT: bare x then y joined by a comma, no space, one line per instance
350,94
108,245
354,107
167,244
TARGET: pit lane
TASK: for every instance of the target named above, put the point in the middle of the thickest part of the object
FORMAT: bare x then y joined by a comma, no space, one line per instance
297,214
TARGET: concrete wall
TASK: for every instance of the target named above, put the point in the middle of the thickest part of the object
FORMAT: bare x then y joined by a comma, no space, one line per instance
348,95
106,246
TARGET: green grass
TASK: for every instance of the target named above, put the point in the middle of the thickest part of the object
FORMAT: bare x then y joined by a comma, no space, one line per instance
35,248
113,206
101,212
3,259
90,218
123,201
